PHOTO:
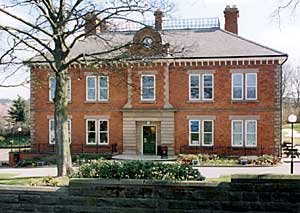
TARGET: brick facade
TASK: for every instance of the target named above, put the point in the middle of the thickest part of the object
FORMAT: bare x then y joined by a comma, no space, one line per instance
222,107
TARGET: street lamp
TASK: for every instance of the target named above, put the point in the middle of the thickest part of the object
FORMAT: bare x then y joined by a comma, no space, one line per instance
19,131
292,119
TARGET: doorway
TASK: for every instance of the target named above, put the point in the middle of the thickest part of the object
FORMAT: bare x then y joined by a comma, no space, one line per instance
149,140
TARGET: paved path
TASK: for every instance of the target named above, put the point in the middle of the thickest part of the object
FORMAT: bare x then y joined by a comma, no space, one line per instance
209,172
30,172
213,172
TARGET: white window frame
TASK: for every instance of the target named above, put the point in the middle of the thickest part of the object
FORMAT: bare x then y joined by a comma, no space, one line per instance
232,86
199,133
86,88
190,88
99,87
86,131
246,86
212,87
50,141
50,89
246,133
212,133
154,88
99,132
232,138
69,82
69,130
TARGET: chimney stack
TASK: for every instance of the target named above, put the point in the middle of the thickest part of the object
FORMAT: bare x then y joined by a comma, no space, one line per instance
91,22
158,19
231,19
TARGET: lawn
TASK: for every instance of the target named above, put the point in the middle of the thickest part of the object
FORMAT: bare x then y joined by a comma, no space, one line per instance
14,140
10,179
296,133
224,179
288,126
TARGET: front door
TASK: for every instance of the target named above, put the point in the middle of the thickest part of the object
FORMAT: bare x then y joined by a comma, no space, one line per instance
149,140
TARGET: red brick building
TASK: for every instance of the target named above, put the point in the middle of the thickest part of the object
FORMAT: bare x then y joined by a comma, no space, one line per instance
188,85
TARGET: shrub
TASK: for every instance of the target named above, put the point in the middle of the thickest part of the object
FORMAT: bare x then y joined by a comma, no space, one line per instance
138,170
48,160
28,162
261,160
186,159
87,157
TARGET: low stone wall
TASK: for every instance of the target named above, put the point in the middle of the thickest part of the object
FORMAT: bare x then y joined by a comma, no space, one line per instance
243,194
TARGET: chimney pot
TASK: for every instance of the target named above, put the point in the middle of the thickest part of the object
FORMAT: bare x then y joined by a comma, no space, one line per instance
158,19
91,22
231,19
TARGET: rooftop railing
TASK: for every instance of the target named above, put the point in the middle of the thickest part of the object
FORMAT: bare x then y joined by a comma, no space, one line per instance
169,24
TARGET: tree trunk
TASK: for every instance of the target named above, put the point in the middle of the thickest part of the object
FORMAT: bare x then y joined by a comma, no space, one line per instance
64,160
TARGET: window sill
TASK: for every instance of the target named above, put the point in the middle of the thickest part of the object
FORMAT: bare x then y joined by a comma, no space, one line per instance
147,102
52,102
199,146
244,147
96,102
244,101
199,101
95,145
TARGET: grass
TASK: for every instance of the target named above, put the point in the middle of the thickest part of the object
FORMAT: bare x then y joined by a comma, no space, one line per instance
288,126
7,141
10,179
288,139
226,179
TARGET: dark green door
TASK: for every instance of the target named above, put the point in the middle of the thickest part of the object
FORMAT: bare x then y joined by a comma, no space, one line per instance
149,139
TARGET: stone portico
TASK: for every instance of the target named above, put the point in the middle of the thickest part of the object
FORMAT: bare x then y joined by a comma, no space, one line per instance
133,120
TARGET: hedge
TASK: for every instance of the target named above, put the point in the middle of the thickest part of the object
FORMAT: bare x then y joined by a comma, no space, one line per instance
138,170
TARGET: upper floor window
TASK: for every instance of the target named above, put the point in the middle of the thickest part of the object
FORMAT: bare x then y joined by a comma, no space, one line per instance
92,91
52,86
148,87
97,131
52,131
238,138
251,91
198,92
201,133
241,91
103,88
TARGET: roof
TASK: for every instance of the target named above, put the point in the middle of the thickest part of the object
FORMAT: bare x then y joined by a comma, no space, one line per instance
184,43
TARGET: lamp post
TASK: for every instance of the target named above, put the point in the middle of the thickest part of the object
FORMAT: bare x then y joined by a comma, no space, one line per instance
292,119
19,131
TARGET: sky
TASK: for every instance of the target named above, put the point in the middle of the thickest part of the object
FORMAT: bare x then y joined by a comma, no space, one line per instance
256,22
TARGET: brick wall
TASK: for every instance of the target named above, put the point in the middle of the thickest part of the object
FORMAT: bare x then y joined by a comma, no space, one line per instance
266,107
244,194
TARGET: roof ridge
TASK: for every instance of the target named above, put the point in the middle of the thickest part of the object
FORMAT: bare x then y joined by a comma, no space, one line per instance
253,42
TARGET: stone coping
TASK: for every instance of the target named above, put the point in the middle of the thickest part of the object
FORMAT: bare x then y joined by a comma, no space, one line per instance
91,182
33,189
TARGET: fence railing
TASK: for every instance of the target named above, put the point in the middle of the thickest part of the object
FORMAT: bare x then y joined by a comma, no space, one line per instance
230,151
75,148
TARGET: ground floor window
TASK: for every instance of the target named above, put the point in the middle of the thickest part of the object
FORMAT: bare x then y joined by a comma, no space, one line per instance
201,132
52,131
244,133
93,127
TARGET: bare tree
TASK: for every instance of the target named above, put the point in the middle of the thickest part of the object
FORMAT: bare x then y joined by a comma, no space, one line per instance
295,94
287,74
285,8
50,30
